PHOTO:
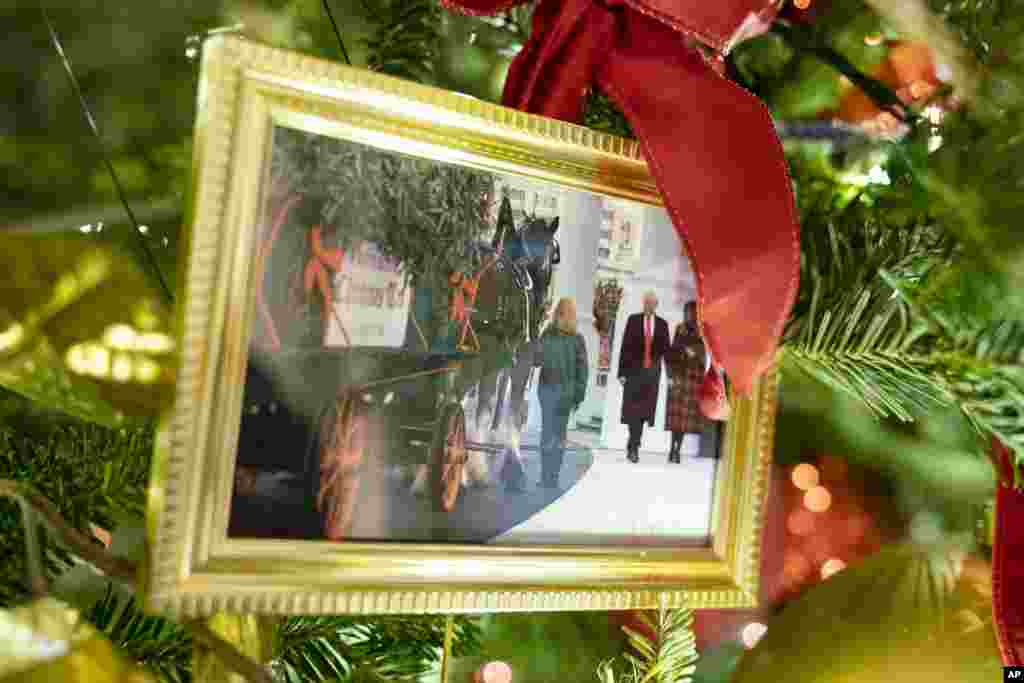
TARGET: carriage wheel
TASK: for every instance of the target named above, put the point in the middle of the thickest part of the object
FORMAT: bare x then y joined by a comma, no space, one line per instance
449,456
342,444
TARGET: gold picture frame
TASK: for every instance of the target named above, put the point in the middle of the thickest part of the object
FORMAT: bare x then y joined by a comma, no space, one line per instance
194,569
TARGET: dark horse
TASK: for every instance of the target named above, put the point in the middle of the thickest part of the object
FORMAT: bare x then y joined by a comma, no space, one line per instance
514,290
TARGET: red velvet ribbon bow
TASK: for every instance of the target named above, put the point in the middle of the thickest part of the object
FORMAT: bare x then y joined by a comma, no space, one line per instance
711,146
1008,560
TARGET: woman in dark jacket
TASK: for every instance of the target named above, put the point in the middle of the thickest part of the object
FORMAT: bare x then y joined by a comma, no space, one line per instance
561,354
686,362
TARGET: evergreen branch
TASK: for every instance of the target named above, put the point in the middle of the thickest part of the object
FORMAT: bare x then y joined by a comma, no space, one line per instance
406,43
850,330
665,651
73,539
804,42
90,473
331,647
601,114
160,645
889,384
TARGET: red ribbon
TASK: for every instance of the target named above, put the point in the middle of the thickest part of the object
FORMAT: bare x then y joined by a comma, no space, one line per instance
1008,561
711,146
316,275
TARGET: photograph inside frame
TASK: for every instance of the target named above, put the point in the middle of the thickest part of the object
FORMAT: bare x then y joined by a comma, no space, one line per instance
444,354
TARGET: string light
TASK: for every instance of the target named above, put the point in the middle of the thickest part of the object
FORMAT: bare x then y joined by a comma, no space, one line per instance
119,337
801,522
802,4
494,672
146,371
124,338
98,363
121,368
832,566
805,476
752,634
154,343
873,39
818,499
11,337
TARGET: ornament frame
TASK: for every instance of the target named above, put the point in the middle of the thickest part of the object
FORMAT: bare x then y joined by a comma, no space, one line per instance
194,569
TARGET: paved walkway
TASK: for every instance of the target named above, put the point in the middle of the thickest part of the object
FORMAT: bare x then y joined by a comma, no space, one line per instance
621,503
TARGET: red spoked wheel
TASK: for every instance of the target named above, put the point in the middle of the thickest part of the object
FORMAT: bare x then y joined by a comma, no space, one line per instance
342,446
448,456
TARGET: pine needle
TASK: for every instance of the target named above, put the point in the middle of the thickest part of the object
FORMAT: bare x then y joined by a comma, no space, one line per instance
161,646
669,657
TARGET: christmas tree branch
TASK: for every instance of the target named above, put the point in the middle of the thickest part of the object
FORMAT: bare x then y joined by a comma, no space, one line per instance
664,650
73,539
229,654
804,42
913,18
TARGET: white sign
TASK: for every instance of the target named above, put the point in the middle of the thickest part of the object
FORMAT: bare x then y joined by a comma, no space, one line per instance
622,225
371,301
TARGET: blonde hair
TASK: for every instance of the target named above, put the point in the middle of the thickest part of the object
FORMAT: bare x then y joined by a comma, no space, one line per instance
564,318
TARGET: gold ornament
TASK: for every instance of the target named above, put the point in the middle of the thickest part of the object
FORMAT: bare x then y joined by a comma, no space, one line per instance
899,615
47,641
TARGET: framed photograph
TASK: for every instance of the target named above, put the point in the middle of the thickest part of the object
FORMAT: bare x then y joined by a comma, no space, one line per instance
392,396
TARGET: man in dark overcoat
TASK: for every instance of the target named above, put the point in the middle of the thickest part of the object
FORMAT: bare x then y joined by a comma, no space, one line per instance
644,344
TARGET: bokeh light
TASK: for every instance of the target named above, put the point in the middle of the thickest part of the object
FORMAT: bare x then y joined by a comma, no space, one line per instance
752,633
146,371
818,499
494,672
832,566
125,338
121,369
801,522
795,567
11,337
805,476
119,337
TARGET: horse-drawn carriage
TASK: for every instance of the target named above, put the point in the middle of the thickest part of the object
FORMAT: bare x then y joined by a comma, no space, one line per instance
406,405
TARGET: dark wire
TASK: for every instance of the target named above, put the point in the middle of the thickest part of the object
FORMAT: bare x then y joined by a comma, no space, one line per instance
337,33
91,120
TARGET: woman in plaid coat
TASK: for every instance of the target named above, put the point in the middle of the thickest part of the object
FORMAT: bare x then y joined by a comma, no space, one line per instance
686,362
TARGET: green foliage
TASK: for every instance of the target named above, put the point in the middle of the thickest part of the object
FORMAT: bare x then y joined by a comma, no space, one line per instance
161,646
92,474
407,41
543,647
667,653
599,113
422,213
848,327
974,178
389,648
